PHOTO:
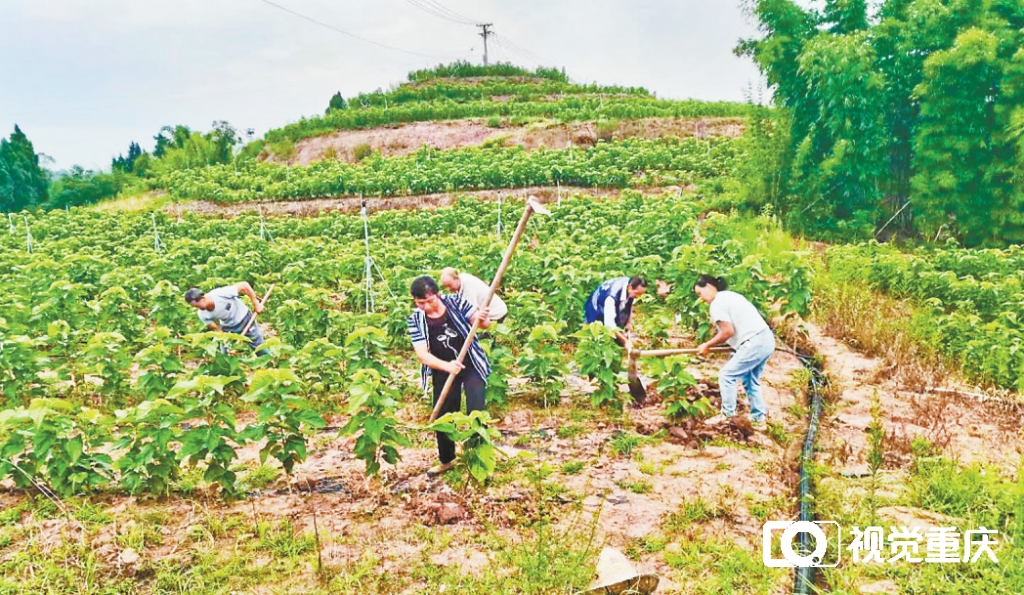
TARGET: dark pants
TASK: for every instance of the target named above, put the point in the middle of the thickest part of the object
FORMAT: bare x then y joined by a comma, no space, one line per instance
254,334
475,387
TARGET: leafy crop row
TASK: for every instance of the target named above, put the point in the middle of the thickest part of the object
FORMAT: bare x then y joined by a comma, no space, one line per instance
972,301
94,325
493,89
464,69
632,162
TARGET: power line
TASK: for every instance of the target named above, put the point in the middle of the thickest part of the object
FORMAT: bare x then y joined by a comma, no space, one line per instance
451,12
517,49
422,5
343,32
506,51
435,8
511,53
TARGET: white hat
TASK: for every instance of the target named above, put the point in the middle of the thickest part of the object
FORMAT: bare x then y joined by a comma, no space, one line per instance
615,575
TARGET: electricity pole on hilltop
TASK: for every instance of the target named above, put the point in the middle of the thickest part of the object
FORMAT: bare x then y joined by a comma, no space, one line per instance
485,33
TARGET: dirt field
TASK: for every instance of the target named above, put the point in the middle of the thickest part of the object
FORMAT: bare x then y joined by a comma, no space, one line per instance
408,138
311,208
955,418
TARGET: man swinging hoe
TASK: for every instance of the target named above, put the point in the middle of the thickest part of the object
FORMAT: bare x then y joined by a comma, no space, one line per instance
443,331
222,309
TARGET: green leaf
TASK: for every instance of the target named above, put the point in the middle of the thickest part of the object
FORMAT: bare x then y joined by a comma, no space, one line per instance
74,449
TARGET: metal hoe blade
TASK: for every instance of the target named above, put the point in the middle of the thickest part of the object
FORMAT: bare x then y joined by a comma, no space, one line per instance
637,390
536,206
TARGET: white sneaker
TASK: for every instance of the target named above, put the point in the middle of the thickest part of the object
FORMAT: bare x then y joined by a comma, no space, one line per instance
760,426
717,420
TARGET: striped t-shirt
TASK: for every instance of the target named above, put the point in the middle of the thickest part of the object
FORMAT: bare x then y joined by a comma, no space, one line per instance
459,313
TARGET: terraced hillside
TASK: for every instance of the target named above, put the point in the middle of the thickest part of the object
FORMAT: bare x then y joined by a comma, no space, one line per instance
450,135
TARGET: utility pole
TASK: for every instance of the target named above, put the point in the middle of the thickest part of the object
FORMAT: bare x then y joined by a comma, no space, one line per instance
485,33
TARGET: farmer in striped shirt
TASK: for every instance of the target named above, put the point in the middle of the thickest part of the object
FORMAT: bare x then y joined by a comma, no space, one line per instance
438,328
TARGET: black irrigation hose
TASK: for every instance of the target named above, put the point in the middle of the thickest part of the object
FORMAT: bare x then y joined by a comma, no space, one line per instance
804,580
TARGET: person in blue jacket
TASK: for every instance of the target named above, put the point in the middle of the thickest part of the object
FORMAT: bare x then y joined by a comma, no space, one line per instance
612,302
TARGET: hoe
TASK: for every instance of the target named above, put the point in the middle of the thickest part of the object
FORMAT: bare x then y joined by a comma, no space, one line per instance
533,205
637,390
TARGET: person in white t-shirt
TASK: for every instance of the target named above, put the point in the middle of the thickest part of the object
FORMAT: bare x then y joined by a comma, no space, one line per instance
222,309
474,290
741,326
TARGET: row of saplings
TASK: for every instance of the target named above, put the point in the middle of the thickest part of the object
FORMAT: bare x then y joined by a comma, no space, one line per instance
55,444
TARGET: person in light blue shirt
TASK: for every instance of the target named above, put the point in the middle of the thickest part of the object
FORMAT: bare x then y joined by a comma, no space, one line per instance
222,309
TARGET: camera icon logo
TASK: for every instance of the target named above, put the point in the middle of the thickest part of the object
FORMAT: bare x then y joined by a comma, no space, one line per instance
790,557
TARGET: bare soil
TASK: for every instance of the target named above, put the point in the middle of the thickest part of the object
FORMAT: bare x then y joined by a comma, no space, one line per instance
314,207
952,416
408,138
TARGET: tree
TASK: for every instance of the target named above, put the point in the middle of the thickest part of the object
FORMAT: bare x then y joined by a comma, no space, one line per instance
171,138
965,155
920,104
840,160
127,164
224,138
182,148
6,187
27,185
80,187
845,16
337,102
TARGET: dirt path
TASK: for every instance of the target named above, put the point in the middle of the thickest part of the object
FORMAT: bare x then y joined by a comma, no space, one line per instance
959,425
947,420
408,138
314,207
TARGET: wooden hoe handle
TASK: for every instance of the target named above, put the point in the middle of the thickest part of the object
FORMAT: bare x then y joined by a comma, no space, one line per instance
532,206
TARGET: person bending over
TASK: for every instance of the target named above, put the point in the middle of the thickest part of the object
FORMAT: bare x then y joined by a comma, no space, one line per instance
222,309
741,326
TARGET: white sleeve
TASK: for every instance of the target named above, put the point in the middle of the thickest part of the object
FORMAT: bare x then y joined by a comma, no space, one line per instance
473,290
227,291
719,312
609,313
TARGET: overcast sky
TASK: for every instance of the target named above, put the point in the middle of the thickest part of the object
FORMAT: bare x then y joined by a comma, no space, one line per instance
85,78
